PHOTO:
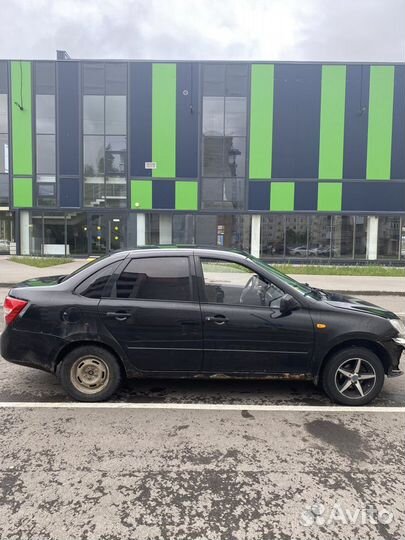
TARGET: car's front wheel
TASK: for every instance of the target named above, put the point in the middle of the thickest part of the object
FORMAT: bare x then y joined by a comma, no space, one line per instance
90,373
353,376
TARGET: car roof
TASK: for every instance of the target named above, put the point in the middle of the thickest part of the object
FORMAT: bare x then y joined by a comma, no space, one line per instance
180,248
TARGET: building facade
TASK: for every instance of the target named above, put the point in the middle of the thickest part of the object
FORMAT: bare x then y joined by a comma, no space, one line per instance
285,160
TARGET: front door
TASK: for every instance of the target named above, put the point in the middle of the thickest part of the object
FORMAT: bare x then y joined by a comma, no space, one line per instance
107,233
155,315
243,328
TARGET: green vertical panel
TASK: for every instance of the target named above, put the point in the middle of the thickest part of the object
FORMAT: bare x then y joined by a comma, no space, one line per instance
332,125
21,117
282,196
186,195
141,194
261,121
164,120
381,105
22,192
330,197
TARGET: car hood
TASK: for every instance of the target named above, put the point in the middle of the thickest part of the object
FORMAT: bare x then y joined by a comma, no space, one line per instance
352,303
40,281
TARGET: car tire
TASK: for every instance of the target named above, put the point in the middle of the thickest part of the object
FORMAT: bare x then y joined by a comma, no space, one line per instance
90,373
339,378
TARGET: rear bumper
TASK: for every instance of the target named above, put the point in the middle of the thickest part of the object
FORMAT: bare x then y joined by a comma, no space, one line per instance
30,349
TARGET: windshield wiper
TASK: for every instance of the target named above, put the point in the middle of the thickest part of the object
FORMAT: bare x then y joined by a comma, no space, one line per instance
316,291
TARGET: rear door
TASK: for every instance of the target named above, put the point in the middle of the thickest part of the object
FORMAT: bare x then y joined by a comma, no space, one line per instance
154,313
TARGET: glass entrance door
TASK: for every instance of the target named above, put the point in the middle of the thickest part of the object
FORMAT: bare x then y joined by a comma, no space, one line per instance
107,233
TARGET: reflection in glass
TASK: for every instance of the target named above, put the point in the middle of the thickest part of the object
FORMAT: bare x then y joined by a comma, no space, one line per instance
3,113
93,78
237,79
235,116
45,114
115,154
94,191
46,190
76,228
54,234
272,236
93,115
214,80
183,229
213,156
115,78
342,236
296,236
116,192
4,153
45,77
388,237
115,115
4,190
360,237
46,159
222,193
320,233
93,155
234,156
213,116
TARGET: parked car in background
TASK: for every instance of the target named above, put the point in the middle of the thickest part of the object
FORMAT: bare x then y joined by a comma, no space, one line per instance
194,312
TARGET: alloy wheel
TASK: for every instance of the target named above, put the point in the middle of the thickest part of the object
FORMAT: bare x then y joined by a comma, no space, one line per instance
355,378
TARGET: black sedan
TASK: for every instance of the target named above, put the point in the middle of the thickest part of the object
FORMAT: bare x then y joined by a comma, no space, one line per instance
194,312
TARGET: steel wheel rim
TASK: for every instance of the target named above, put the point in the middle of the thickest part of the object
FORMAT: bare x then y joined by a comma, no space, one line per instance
355,378
90,375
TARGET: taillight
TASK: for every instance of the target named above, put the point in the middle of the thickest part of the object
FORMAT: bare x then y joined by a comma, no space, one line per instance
12,307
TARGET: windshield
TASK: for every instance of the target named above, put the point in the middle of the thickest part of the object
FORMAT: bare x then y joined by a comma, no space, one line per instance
303,289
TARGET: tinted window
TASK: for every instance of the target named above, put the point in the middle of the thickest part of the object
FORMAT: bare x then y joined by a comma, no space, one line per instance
93,115
231,283
157,278
46,154
93,155
45,114
95,285
115,115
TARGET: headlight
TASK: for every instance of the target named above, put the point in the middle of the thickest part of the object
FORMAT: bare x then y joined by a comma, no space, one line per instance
399,326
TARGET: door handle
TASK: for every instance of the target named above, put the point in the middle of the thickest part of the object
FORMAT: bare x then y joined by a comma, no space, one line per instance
119,315
217,319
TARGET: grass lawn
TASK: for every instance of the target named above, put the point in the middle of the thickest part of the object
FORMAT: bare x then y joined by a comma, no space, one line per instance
41,262
313,270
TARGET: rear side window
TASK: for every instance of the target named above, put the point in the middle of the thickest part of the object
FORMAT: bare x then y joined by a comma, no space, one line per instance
95,286
156,278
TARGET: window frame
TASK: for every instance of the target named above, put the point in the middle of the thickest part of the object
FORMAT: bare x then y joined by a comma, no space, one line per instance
108,287
194,296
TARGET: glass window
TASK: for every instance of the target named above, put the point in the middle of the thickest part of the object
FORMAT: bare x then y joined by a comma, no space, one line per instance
44,78
3,77
116,191
115,154
93,115
76,227
231,283
45,114
156,278
320,232
213,115
213,156
235,116
360,237
237,79
183,229
94,191
214,80
388,237
234,156
4,190
93,78
116,115
3,153
115,78
296,236
46,191
152,228
93,155
46,159
3,113
342,236
95,285
272,236
54,234
224,193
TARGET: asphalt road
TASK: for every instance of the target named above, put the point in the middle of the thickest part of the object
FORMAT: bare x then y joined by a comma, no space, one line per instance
128,471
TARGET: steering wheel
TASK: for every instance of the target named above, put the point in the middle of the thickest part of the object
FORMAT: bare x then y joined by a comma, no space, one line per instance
253,291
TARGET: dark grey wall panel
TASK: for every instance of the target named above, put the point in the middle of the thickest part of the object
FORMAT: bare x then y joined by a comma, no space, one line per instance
3,77
140,119
373,196
297,103
259,195
163,194
398,127
68,107
306,196
69,192
356,121
187,120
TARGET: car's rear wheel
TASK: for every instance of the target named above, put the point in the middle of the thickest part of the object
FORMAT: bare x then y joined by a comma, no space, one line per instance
90,373
353,376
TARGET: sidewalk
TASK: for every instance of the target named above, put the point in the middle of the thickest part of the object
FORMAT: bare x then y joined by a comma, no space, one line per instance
12,273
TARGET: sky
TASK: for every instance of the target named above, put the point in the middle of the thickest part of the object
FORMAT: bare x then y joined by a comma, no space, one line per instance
307,30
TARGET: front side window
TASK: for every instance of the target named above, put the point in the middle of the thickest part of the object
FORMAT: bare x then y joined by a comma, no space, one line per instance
230,283
156,278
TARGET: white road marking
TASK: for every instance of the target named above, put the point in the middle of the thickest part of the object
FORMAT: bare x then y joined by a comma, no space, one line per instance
199,407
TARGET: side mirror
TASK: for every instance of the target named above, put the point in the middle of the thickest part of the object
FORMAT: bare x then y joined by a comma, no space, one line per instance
288,304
